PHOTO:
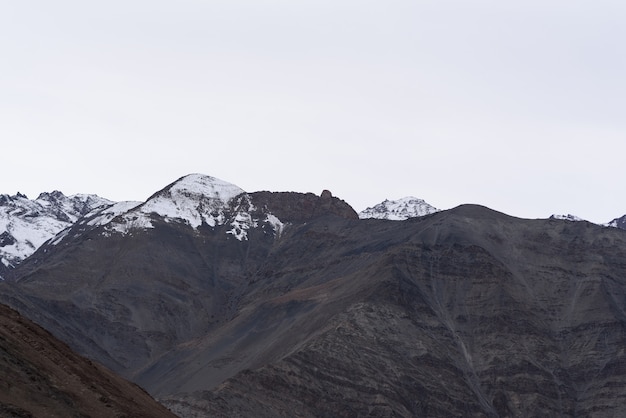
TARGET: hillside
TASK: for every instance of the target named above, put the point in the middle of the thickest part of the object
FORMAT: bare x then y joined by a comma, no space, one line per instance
42,377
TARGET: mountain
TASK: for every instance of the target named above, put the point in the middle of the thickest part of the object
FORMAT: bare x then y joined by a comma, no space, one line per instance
467,312
398,210
41,377
26,224
200,202
221,302
125,285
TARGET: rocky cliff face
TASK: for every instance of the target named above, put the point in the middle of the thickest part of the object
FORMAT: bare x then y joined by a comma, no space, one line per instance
41,377
301,207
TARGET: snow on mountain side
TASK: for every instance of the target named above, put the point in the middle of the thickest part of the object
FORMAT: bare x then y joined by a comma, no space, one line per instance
26,224
97,217
104,215
568,217
197,199
194,198
618,223
399,210
70,208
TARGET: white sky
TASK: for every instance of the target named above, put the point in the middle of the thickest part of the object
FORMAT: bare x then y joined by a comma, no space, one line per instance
516,105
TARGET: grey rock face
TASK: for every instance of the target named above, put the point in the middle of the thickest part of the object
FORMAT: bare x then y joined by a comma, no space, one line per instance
466,312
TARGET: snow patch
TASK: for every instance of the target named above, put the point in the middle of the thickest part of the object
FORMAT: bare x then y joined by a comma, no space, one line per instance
568,217
276,224
241,223
59,237
131,221
619,223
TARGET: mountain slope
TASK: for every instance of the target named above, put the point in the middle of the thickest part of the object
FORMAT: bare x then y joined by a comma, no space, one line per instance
398,210
467,312
42,377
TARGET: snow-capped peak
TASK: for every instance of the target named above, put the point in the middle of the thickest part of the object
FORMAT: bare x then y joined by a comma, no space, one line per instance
194,199
198,199
26,224
399,210
197,186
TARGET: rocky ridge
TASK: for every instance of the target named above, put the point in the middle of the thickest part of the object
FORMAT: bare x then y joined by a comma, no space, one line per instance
26,224
198,200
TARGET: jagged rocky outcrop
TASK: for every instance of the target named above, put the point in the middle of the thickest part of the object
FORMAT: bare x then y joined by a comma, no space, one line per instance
300,207
42,377
26,224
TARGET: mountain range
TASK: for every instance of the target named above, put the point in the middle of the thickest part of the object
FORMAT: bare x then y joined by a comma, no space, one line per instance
221,302
26,224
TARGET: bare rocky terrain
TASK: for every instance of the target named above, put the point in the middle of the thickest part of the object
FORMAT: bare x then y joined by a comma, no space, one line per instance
465,312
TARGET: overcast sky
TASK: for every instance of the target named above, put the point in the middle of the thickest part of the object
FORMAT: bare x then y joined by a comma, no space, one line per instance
516,105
